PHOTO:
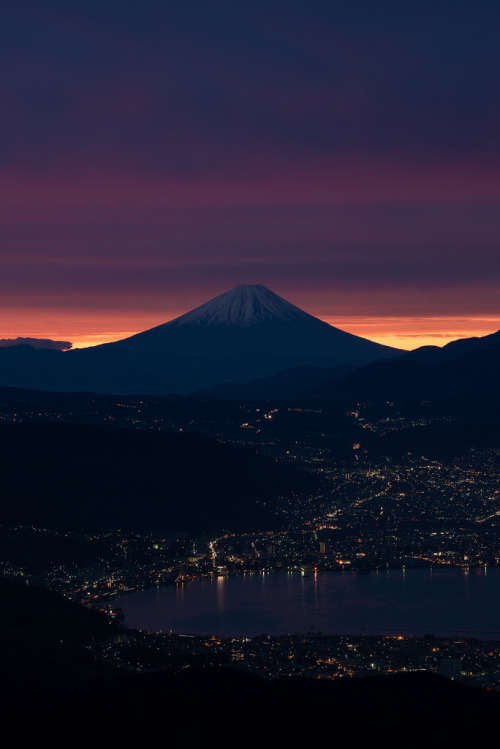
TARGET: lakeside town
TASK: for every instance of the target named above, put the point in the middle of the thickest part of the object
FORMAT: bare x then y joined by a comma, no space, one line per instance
372,517
368,513
471,661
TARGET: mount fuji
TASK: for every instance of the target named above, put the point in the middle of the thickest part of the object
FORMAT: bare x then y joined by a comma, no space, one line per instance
244,334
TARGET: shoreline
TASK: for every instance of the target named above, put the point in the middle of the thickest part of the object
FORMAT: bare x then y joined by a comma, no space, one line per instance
471,569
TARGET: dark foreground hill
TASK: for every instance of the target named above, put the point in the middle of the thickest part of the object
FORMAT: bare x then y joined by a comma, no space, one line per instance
30,611
90,478
225,707
54,692
42,636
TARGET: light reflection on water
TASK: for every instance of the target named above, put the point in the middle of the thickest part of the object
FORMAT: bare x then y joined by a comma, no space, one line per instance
439,601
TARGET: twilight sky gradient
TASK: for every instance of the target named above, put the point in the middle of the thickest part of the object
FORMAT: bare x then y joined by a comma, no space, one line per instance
344,153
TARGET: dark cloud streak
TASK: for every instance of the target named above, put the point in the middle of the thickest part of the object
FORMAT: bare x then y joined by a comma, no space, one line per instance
42,343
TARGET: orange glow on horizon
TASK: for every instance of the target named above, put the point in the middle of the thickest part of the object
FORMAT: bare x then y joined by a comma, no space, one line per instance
91,330
412,332
86,341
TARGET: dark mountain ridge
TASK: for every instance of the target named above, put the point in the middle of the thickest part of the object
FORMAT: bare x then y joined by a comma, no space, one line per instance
454,349
290,384
462,368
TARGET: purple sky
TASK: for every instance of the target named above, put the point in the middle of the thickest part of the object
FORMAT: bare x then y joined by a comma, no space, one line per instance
345,154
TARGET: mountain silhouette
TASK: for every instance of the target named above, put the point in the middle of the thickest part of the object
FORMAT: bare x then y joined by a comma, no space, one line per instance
462,369
244,334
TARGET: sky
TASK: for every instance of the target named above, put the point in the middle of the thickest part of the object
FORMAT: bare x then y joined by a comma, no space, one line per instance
344,154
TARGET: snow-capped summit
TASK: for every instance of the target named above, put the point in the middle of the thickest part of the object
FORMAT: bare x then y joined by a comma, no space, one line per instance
242,306
245,333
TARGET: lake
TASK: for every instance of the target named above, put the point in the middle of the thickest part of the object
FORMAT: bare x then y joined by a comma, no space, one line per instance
440,601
